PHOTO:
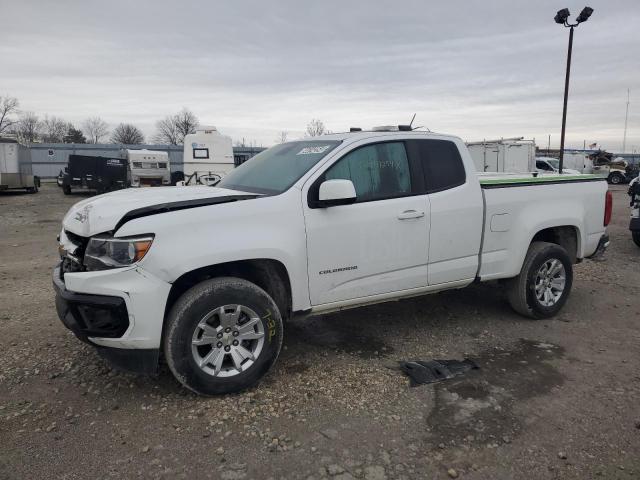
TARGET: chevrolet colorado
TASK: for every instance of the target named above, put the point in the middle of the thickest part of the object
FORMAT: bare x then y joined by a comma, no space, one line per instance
206,276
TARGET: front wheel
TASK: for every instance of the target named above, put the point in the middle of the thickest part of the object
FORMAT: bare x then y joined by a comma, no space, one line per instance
544,283
636,238
222,336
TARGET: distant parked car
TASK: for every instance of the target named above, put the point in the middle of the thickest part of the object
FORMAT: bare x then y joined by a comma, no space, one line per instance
552,165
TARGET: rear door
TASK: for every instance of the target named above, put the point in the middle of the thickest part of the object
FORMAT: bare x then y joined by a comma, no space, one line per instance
377,245
457,208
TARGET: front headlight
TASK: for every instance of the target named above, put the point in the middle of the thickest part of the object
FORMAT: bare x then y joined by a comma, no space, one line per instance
104,252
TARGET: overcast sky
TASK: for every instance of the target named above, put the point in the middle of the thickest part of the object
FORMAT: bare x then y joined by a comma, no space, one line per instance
478,69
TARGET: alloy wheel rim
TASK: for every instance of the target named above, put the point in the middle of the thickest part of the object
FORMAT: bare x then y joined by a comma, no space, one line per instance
550,282
228,340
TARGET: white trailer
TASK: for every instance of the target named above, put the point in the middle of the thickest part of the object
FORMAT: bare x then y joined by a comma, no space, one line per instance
208,156
511,155
149,168
15,167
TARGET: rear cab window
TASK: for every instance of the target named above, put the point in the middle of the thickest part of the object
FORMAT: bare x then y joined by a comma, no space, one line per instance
441,163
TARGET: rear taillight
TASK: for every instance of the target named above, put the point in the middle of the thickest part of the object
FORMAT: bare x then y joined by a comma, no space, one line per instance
608,207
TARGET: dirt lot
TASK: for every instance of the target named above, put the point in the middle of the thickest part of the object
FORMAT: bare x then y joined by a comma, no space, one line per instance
554,399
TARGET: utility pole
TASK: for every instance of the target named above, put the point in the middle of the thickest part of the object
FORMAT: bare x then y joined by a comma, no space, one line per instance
626,119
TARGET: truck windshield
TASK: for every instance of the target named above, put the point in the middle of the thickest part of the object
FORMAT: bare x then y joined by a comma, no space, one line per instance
273,171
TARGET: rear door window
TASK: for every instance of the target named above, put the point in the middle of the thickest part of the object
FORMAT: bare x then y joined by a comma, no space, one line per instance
441,163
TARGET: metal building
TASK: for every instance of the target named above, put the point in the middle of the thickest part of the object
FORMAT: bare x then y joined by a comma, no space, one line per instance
48,159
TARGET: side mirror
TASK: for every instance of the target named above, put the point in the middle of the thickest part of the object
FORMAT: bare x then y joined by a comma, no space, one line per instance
336,192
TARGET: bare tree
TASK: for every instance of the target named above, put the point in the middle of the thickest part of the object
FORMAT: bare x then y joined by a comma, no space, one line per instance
166,131
282,137
54,129
174,128
8,107
315,128
186,123
28,127
127,134
95,129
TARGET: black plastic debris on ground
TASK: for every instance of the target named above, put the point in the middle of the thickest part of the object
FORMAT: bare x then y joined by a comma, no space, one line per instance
436,370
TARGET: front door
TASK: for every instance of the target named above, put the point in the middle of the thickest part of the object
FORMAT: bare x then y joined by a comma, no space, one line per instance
377,245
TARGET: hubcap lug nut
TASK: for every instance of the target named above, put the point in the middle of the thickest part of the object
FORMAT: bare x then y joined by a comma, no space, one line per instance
228,329
219,344
236,333
227,348
219,335
235,343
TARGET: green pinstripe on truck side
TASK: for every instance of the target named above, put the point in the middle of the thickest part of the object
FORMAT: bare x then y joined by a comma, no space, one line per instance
539,179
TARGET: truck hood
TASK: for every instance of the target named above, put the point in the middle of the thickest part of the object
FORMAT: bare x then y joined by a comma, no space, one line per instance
107,212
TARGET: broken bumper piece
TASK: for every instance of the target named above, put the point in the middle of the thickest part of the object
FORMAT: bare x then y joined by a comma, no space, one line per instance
433,371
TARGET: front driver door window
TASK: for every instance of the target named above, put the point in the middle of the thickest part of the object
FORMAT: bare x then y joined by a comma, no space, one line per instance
378,244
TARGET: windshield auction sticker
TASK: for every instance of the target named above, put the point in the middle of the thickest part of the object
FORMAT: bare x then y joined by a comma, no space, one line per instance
313,150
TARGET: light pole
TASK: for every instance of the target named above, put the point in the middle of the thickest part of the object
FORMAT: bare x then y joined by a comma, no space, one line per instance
561,18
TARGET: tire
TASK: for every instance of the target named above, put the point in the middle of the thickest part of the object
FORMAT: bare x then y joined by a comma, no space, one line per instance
636,238
616,179
522,292
33,189
66,189
201,305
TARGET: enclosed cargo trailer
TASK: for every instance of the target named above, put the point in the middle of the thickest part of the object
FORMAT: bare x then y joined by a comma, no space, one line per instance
102,174
510,155
15,167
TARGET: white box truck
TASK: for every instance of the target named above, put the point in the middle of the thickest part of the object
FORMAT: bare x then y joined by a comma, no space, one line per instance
208,156
510,155
15,167
149,168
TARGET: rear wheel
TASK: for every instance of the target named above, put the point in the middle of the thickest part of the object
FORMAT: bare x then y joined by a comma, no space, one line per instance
544,283
636,238
66,189
616,178
222,336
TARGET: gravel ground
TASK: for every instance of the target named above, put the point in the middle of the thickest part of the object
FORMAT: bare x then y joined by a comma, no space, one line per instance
553,399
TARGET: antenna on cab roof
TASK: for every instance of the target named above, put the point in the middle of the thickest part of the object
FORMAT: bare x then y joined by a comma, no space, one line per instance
409,128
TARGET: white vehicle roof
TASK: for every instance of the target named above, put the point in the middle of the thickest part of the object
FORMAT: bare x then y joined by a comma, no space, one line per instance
365,134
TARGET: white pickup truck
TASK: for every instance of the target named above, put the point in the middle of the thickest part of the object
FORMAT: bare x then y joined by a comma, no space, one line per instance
208,275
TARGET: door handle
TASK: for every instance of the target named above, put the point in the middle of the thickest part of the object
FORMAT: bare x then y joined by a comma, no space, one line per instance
409,214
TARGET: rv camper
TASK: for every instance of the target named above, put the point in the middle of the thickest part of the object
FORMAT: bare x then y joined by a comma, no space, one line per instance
15,167
149,168
208,156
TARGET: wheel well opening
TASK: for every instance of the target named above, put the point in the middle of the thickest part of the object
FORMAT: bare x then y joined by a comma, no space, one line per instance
270,275
566,237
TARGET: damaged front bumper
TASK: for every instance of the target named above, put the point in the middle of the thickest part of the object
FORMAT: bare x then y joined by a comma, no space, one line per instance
119,312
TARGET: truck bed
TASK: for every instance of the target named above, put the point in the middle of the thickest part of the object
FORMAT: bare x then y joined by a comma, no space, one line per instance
518,204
